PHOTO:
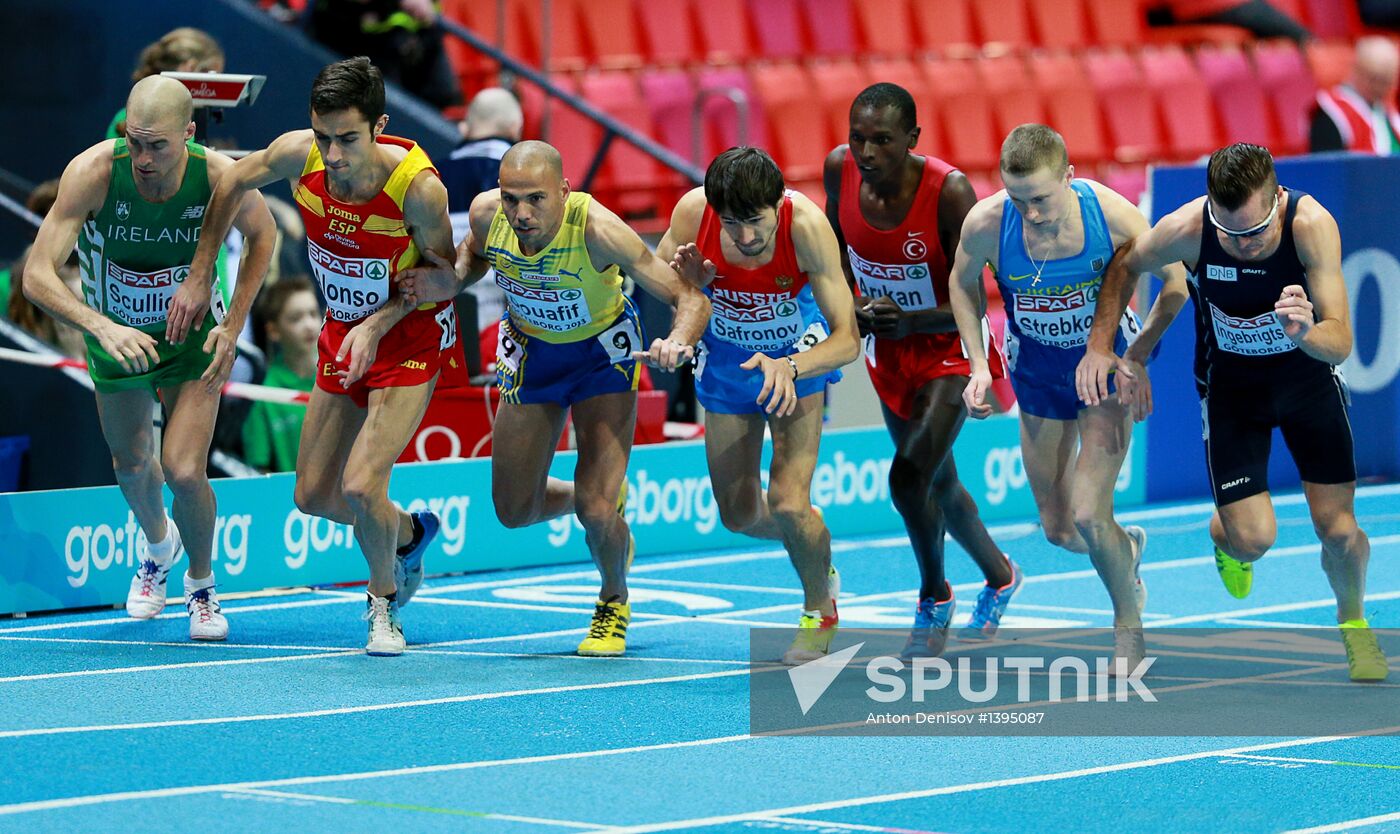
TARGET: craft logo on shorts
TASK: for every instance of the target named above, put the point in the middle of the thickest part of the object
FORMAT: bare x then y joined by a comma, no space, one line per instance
1221,273
783,281
123,209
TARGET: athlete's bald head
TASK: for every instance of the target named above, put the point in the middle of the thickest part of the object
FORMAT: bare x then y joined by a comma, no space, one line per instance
534,193
534,159
493,112
157,102
1377,66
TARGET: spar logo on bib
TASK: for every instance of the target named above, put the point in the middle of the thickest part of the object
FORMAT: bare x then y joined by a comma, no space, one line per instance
756,325
1057,320
1258,336
908,285
554,310
140,299
353,287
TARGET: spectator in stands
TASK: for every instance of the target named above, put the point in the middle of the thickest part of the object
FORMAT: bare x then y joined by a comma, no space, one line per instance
290,318
180,50
1360,115
401,37
21,310
1258,16
494,122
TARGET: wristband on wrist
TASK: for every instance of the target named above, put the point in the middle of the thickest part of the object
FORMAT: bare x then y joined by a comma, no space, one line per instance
792,363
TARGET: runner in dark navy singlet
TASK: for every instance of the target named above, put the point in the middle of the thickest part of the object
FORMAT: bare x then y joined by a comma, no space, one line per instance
1272,324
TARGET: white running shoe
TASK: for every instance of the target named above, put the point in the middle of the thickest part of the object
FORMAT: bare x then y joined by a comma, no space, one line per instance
146,597
385,629
206,620
1139,541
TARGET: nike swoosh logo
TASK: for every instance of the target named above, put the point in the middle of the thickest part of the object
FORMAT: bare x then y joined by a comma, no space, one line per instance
1019,277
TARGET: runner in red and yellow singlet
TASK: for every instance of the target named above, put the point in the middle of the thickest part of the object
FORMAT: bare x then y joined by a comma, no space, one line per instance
372,205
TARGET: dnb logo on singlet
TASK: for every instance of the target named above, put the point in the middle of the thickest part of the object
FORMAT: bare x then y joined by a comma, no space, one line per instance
1258,336
1060,319
555,309
908,285
756,321
353,287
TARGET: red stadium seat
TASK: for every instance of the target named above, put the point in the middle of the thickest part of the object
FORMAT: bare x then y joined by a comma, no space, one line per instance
631,175
723,26
474,69
1130,115
1188,114
612,34
1060,24
885,28
1239,98
1003,22
1333,18
964,113
1117,22
797,130
670,96
838,83
668,32
1071,106
1015,100
566,47
721,117
1285,77
1330,62
1296,9
777,28
904,73
943,24
574,135
830,27
1128,180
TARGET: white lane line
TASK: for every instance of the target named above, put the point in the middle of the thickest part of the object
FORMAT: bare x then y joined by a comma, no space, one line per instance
718,586
96,799
340,800
571,656
1284,759
700,822
1348,825
817,825
227,609
318,713
121,670
1102,612
1266,609
197,645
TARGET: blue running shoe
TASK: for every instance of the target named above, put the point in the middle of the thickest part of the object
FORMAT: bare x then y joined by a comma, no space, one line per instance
991,604
930,632
408,567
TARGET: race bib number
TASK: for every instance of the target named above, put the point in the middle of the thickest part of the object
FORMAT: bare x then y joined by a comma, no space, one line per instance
557,310
760,328
141,299
1258,336
620,340
814,335
1057,320
508,351
908,285
353,287
447,320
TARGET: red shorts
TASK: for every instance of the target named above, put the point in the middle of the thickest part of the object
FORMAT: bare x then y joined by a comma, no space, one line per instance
900,367
411,353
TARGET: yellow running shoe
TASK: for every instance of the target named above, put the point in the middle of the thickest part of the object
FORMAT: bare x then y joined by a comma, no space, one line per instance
1364,654
607,636
622,499
1238,576
814,633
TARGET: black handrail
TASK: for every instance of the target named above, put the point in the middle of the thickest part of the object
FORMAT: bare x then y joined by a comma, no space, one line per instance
611,126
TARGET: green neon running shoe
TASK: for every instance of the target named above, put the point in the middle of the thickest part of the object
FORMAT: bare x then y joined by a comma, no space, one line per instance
1364,654
1238,576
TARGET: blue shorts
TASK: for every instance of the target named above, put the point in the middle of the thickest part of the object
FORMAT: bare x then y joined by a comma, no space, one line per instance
723,387
1053,399
1043,375
530,370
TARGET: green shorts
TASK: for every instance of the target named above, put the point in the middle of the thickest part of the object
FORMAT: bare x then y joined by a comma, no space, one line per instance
178,363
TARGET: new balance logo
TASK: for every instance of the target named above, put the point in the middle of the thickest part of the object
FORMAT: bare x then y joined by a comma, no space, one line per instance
811,680
192,213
